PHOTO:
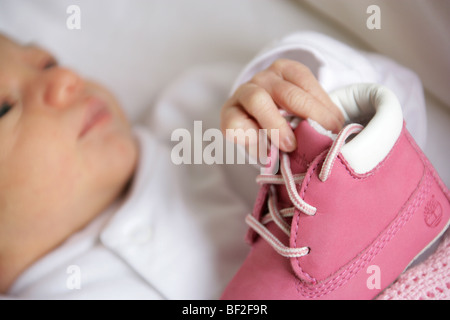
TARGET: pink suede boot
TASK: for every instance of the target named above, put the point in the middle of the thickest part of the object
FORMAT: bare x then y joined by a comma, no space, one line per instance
348,213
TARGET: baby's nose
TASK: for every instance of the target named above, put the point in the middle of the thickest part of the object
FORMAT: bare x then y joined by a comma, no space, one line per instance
62,87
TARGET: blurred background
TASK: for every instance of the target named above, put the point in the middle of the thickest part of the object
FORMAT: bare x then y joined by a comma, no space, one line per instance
138,47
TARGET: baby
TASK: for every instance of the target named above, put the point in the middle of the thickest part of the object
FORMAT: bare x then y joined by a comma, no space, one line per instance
69,156
57,133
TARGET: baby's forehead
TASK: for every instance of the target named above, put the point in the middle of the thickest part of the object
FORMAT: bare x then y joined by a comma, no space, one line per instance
7,41
9,46
3,37
21,53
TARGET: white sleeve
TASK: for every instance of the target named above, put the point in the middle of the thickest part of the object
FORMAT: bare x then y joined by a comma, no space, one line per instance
336,65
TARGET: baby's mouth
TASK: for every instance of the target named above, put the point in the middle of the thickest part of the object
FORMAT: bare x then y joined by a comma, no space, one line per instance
97,112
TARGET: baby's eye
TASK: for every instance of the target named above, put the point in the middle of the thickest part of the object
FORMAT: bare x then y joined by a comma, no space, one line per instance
50,63
5,107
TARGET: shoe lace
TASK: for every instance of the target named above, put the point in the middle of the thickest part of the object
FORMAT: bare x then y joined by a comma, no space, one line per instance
291,181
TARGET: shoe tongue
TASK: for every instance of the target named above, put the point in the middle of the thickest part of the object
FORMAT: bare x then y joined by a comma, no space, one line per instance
312,140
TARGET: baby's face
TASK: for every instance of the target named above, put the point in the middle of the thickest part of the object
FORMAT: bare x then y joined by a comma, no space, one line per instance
66,148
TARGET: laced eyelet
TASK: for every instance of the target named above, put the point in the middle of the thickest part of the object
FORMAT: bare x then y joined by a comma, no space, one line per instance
290,181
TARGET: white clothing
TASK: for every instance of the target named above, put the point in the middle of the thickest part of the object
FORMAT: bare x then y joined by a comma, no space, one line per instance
179,232
177,235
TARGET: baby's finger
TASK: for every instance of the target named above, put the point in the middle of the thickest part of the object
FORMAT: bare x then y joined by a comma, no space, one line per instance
302,77
305,105
234,118
296,100
259,104
235,125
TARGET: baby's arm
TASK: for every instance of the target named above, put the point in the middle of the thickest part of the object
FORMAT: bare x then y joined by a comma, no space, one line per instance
286,84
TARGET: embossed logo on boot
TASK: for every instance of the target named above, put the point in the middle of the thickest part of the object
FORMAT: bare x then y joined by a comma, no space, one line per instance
432,212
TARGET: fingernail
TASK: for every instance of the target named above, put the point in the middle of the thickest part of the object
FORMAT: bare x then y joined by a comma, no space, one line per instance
289,142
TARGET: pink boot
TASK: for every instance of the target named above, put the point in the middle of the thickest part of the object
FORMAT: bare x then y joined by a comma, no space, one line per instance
343,219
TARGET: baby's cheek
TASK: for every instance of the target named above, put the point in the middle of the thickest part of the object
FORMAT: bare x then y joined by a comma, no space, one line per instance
37,190
56,176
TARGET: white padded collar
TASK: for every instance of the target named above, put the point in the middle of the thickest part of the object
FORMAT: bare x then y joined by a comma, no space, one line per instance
378,105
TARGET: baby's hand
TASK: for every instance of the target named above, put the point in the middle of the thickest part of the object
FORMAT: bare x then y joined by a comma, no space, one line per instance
288,85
